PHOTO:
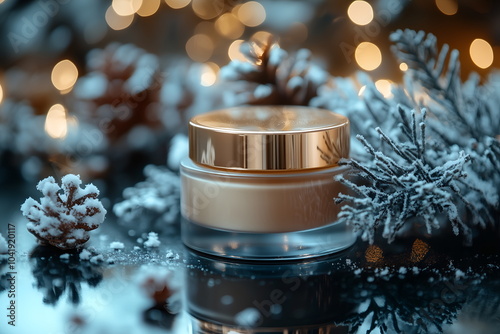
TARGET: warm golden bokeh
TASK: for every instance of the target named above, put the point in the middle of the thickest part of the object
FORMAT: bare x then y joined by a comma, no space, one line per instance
64,75
149,7
200,47
481,53
127,7
56,125
229,26
117,22
360,12
384,87
177,4
447,7
234,52
368,56
251,14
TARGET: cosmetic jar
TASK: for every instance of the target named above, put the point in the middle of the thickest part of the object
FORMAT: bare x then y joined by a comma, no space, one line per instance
259,183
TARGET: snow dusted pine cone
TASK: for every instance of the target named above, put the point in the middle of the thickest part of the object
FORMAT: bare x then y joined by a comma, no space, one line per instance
121,89
64,219
270,76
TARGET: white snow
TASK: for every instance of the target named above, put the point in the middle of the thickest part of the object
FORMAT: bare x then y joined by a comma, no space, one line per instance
85,255
116,245
96,259
249,317
179,149
64,256
152,241
90,212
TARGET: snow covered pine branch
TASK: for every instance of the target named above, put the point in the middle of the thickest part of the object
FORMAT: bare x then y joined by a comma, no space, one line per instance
65,213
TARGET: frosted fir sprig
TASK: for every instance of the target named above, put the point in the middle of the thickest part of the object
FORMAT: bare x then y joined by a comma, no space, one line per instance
152,203
65,214
402,185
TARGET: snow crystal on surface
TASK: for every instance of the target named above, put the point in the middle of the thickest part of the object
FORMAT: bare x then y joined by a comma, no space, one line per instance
249,317
64,256
116,245
85,255
152,241
96,259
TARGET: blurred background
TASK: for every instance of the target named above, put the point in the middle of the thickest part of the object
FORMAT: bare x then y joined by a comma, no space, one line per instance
103,88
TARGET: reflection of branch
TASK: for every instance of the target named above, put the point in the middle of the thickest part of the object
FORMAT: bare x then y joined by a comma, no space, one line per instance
407,304
333,153
54,276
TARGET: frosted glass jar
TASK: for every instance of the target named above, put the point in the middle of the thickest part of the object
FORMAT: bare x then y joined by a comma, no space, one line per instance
259,183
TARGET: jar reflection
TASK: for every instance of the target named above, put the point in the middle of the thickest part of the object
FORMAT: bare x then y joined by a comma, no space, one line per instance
236,297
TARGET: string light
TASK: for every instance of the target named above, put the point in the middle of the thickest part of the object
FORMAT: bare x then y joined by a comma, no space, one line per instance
447,7
148,8
117,22
384,87
234,52
360,12
251,13
229,26
403,67
481,53
126,7
200,47
64,75
177,4
56,125
368,56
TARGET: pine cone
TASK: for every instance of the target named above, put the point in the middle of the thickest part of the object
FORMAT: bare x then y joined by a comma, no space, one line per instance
64,219
271,76
122,89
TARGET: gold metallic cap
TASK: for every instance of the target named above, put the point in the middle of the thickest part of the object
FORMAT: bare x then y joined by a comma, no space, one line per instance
269,138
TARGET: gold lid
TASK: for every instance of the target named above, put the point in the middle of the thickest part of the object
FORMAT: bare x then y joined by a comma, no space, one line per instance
269,138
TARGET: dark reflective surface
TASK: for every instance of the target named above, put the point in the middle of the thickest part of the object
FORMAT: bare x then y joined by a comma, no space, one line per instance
415,285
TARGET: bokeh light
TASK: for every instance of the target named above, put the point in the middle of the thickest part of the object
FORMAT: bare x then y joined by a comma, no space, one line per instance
177,4
251,14
481,53
209,74
448,7
56,125
234,52
117,22
403,67
229,26
207,9
127,7
200,47
64,75
368,56
261,36
149,7
360,12
384,87
1,94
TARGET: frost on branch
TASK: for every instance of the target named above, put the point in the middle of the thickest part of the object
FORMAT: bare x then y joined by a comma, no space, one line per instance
65,214
404,184
152,203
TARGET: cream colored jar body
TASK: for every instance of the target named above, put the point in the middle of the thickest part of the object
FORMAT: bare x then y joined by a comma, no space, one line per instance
266,202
